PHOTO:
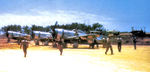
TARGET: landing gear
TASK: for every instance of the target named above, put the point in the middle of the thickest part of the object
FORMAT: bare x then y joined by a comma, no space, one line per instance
54,45
75,45
46,43
36,42
64,45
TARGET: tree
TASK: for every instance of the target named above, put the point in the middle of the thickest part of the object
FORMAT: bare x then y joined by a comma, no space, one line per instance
75,25
97,27
12,28
48,28
27,29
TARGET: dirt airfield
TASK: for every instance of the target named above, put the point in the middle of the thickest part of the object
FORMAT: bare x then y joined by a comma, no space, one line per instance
83,59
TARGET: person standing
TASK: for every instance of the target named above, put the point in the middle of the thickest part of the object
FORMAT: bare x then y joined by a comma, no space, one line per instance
60,47
104,42
119,41
108,46
134,42
24,44
59,41
8,36
95,43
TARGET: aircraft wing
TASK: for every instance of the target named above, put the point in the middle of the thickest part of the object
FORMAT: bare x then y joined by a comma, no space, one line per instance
90,36
84,37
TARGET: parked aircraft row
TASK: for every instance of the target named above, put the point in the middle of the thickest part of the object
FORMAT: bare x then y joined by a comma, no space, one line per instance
70,36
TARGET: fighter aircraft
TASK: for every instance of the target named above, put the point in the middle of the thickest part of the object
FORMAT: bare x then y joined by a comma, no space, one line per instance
42,36
76,37
16,35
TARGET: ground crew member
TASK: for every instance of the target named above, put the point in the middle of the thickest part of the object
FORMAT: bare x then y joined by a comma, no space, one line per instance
108,46
24,45
94,43
119,41
37,42
91,43
59,41
104,42
134,42
60,47
19,41
7,35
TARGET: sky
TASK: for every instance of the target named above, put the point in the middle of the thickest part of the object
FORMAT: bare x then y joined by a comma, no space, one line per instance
119,15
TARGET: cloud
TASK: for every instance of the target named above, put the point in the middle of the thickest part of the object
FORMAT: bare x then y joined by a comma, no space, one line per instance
44,18
75,16
7,19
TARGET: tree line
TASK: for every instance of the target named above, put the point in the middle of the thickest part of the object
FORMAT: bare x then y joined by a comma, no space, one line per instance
79,26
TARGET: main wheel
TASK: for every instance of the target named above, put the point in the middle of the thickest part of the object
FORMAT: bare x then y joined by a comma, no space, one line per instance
75,45
64,45
36,42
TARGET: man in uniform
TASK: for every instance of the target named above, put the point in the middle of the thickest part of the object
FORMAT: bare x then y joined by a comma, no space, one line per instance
7,35
19,40
134,42
59,41
38,40
94,43
119,41
108,45
104,42
54,36
24,44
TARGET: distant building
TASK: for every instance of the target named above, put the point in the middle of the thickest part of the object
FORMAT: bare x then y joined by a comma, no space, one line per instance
145,40
127,39
140,41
